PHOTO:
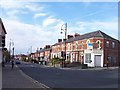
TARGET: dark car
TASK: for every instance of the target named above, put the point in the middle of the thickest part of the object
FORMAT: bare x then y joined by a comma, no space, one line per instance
17,61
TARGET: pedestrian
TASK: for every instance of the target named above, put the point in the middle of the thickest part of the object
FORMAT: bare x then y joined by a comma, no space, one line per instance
12,64
3,64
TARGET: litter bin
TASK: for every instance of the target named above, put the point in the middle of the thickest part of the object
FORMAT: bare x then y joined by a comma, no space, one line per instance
45,62
84,66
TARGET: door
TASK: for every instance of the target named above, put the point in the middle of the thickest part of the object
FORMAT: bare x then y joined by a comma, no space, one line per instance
97,60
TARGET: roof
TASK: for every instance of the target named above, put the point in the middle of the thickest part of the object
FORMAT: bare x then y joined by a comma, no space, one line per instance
42,50
2,26
97,33
58,43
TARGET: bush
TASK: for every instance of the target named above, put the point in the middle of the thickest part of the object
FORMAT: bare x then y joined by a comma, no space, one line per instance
57,61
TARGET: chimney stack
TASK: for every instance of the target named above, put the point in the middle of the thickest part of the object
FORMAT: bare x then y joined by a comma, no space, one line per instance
69,36
47,46
76,34
59,40
40,48
64,40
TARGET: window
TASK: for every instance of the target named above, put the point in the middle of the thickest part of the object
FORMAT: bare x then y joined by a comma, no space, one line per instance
107,44
68,46
76,45
87,57
82,45
89,44
73,47
113,44
98,43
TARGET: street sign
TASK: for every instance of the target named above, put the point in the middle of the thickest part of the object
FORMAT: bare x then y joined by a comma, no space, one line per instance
90,46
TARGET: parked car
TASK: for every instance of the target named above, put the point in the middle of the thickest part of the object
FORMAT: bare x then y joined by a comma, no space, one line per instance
17,61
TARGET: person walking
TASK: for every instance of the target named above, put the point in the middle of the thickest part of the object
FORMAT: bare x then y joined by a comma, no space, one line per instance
12,64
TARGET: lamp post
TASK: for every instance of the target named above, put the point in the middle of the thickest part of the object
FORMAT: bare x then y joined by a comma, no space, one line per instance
10,50
65,30
13,50
11,45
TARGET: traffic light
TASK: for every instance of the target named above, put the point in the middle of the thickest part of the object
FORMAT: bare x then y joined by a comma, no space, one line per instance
3,41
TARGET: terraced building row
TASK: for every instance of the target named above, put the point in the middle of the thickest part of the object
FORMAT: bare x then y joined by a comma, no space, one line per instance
96,49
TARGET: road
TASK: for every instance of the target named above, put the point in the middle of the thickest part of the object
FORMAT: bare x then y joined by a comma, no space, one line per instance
63,78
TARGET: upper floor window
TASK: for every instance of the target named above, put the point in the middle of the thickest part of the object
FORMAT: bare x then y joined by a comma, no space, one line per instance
76,45
113,44
107,43
98,44
68,46
73,47
89,44
82,45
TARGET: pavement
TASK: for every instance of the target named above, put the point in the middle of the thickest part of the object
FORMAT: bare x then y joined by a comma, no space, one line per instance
89,68
75,68
15,79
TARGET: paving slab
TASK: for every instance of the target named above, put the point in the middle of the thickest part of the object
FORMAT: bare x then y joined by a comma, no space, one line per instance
15,79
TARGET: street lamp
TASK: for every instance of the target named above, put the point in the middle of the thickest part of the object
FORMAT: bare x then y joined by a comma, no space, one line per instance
65,30
11,45
13,50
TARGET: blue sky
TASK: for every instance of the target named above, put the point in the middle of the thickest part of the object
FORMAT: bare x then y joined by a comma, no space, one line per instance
38,23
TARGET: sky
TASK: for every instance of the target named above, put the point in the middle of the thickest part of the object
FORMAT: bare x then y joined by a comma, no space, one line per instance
34,24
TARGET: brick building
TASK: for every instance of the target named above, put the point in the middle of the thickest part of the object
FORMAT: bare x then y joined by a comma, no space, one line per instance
96,49
43,54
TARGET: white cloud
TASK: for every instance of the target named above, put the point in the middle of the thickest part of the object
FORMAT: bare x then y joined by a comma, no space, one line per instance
10,4
51,21
25,35
34,7
39,15
84,26
14,7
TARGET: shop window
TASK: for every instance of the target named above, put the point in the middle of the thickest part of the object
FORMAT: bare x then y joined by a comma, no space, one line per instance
87,57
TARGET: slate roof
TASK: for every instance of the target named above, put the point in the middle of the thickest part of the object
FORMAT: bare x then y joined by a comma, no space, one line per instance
47,49
97,33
